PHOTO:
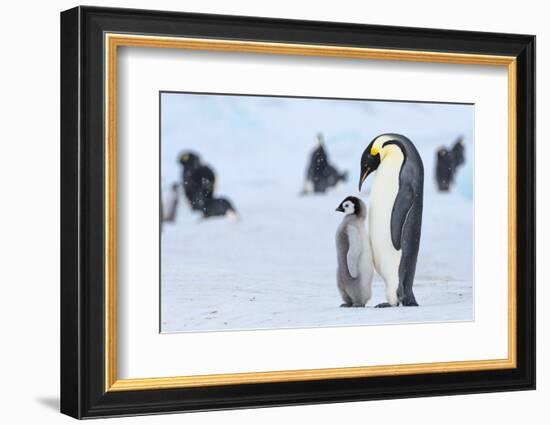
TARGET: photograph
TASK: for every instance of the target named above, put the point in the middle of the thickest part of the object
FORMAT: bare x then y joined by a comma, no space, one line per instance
288,210
282,212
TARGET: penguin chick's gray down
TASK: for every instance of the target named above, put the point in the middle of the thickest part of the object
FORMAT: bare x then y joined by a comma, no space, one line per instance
355,269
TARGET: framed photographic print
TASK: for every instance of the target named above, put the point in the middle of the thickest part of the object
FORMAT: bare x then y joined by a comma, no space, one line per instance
261,212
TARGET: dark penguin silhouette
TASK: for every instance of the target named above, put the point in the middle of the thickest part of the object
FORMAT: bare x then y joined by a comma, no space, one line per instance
458,152
321,174
395,213
218,207
198,180
444,169
198,185
447,163
169,212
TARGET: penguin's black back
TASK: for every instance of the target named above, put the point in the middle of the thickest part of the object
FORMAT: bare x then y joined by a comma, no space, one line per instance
458,153
406,220
444,169
317,163
215,207
198,185
321,173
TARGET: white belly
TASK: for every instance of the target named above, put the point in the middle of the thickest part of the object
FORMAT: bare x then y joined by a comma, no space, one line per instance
383,193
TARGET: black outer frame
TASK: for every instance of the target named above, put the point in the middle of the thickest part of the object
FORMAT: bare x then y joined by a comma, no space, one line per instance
82,219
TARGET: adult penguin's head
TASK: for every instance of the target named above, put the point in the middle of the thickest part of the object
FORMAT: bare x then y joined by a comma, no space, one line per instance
380,147
370,160
189,159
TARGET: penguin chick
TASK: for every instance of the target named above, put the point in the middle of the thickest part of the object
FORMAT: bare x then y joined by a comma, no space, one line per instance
355,269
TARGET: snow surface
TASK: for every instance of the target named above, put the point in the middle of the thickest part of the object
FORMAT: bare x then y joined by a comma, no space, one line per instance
276,266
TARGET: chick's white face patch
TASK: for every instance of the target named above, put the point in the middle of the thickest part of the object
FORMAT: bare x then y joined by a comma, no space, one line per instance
349,208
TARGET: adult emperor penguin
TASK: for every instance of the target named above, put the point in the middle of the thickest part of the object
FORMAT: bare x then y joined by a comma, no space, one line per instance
354,273
395,213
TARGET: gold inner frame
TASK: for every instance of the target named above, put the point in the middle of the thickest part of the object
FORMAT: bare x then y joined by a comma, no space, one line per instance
113,41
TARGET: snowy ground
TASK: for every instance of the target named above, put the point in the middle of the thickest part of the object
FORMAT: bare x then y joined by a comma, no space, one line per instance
275,268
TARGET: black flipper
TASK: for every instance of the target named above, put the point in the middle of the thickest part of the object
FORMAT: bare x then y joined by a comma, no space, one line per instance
403,215
406,218
401,207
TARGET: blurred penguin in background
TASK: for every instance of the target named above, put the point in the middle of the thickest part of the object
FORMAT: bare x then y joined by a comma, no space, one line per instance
458,152
198,185
198,180
321,174
170,207
219,207
447,163
444,169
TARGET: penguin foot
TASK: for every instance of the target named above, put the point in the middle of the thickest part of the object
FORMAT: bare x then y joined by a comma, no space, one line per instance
383,305
409,301
346,305
358,305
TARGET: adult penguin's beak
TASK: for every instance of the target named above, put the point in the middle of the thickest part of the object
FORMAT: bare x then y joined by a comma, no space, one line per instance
364,174
370,160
